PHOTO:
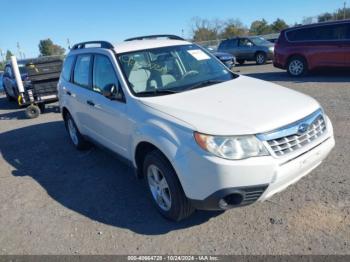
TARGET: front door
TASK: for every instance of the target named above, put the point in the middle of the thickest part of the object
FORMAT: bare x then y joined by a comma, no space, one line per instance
110,123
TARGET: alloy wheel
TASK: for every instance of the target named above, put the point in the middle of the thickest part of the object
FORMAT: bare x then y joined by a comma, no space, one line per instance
296,67
72,131
159,187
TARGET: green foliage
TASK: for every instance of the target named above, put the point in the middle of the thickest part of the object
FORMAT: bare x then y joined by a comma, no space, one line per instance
205,30
278,26
340,14
325,17
260,27
48,48
233,28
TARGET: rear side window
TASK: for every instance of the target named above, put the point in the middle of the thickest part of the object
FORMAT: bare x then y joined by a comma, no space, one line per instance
82,70
233,43
319,33
103,74
223,44
67,68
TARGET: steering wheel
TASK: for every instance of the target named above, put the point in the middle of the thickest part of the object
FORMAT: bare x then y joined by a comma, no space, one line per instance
190,73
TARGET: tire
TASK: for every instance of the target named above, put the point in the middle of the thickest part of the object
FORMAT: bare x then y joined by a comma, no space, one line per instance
260,58
75,136
241,61
157,165
297,66
32,111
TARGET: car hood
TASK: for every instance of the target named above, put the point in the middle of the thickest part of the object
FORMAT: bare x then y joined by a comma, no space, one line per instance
222,54
241,106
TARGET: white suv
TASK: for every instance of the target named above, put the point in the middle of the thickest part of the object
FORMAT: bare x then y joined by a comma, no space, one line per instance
202,136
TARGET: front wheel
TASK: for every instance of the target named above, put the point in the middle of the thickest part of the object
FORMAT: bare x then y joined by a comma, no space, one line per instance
165,188
32,111
260,58
241,61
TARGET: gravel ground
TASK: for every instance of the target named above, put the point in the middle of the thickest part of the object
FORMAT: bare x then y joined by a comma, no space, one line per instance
56,200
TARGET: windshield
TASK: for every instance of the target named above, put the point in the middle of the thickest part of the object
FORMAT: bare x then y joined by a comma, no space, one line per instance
171,69
259,41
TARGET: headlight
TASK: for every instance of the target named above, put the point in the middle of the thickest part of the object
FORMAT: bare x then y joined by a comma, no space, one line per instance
271,48
231,147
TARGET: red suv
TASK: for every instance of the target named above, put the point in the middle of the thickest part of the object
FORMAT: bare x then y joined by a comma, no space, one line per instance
308,47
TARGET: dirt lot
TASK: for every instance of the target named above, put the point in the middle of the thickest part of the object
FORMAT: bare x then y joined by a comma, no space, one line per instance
56,200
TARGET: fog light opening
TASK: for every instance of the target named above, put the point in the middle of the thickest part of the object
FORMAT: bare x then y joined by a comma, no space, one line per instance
234,199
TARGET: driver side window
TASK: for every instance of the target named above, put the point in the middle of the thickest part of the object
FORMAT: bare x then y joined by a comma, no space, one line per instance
244,42
103,74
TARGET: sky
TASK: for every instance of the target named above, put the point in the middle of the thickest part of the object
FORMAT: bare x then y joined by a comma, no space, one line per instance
28,21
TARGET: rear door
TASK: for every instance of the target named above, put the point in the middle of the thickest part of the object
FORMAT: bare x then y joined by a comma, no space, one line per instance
80,94
231,47
347,45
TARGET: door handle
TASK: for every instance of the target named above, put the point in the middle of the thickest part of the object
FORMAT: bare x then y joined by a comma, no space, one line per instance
68,93
90,103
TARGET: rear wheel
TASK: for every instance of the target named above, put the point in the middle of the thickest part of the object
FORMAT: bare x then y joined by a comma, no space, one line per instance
241,61
260,58
75,136
32,111
165,188
297,66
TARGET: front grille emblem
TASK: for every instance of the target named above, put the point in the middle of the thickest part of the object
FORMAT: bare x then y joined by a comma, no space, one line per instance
303,128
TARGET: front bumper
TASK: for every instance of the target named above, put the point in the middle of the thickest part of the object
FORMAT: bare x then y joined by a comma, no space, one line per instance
207,180
229,63
269,55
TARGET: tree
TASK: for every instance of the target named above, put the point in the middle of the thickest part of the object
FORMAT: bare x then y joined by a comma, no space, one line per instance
233,27
260,27
325,17
8,55
278,26
205,30
308,20
342,13
48,48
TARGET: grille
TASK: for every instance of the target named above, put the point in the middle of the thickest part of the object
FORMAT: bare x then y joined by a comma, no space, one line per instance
252,194
287,144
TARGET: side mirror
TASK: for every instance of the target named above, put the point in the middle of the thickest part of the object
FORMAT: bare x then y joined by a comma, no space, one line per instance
113,92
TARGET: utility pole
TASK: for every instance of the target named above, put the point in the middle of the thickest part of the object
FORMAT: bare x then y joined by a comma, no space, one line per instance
21,55
344,11
68,43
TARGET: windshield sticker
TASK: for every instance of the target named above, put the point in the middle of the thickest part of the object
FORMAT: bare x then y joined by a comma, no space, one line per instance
198,54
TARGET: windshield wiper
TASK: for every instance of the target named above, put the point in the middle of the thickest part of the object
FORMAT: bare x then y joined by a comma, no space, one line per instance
205,83
157,92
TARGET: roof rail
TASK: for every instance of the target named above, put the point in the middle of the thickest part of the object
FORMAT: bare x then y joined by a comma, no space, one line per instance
172,37
103,44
